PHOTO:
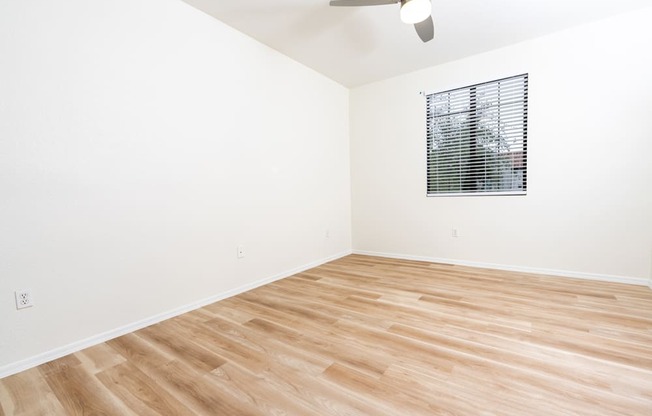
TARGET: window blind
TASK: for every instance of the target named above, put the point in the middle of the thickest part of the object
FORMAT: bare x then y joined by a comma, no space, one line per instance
477,139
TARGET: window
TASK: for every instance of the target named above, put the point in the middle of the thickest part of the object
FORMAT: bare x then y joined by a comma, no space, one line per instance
477,139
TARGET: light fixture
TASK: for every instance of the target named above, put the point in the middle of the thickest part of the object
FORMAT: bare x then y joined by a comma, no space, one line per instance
415,11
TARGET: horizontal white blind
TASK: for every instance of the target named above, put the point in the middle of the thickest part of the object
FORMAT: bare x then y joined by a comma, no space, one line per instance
477,139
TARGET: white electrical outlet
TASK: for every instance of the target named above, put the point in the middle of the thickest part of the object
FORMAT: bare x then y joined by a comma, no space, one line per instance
240,251
24,299
328,233
454,233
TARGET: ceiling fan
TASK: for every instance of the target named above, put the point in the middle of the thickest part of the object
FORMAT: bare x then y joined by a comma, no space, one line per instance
416,12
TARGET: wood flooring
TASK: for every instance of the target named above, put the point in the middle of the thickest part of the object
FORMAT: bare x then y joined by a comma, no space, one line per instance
371,336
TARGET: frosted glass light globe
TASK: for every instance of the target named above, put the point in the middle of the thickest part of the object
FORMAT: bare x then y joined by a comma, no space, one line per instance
415,11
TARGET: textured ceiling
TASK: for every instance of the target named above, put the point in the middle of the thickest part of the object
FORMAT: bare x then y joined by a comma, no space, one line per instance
355,46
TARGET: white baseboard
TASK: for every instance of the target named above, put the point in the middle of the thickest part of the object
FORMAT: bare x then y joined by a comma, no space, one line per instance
551,272
45,357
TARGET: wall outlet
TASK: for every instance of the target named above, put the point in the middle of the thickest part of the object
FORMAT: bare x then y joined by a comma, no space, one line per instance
240,250
24,299
328,233
454,233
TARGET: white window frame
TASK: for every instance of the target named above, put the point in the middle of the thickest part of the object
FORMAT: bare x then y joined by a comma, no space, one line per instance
476,139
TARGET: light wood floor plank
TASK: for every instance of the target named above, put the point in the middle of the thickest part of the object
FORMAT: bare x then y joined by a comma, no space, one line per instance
28,393
81,394
371,336
140,392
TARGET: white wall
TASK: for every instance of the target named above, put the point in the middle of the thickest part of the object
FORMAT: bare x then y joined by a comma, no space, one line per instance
140,142
588,211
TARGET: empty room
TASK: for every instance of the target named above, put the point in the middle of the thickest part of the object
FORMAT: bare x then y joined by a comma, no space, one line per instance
326,207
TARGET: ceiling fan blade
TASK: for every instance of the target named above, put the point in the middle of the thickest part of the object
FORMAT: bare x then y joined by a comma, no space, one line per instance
426,29
356,3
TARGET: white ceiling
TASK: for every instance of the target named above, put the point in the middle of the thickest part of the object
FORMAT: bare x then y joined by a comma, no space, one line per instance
358,45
